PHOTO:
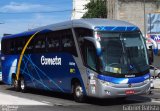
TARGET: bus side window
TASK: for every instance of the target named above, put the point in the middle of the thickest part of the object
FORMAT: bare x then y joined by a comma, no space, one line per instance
18,45
8,46
83,32
30,47
39,43
80,33
53,41
68,44
12,46
3,51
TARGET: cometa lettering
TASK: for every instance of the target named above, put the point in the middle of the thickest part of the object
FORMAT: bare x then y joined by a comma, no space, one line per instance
50,61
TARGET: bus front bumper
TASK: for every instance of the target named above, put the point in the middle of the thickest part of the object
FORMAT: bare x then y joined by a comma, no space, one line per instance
122,90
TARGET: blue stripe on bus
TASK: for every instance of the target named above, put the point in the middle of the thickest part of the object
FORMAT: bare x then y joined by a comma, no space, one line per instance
116,28
124,80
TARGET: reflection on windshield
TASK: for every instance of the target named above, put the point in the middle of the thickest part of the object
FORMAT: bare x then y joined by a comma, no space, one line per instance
123,53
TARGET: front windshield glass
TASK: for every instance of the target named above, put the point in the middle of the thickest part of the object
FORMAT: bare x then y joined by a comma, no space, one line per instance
123,53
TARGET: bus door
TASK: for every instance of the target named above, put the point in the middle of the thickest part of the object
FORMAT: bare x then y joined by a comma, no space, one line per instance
91,62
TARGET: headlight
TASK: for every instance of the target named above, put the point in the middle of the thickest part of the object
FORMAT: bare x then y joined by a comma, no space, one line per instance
147,80
105,83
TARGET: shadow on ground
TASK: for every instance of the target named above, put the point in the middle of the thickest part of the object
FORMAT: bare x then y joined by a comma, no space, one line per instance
118,101
93,101
1,83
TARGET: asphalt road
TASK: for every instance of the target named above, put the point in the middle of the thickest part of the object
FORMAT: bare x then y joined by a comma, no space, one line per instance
37,100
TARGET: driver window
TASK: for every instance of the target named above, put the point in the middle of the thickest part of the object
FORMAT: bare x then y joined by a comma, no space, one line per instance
91,56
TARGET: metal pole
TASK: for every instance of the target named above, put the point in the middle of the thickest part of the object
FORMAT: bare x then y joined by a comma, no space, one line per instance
150,21
144,3
154,73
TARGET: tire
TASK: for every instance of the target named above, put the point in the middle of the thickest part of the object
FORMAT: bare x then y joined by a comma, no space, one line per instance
121,98
15,84
78,93
23,86
158,75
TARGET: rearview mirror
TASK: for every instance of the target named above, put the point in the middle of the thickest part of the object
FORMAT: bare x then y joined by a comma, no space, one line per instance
154,46
150,54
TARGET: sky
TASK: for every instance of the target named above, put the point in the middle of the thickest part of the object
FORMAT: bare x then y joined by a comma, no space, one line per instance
20,15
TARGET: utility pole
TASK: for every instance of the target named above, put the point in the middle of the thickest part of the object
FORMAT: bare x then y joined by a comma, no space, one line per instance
144,3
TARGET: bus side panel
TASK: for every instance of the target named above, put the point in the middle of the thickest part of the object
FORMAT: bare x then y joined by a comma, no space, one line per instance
9,64
52,71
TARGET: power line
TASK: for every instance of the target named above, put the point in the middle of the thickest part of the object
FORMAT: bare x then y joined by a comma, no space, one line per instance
36,12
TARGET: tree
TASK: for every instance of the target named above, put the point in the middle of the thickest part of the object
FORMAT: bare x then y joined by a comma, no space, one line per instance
96,9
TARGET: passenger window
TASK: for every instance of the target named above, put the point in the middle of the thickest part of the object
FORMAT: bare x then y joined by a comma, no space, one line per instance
53,41
30,46
83,32
19,44
40,44
9,48
68,44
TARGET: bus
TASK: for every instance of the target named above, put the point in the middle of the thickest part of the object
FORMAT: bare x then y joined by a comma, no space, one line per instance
86,57
0,68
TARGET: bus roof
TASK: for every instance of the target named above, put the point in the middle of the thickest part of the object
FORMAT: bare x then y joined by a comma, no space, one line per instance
94,23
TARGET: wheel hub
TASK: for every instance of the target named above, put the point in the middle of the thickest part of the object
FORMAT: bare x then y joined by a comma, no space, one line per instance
15,83
22,84
79,91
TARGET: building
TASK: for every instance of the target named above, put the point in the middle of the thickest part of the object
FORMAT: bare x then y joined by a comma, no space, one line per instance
132,11
79,8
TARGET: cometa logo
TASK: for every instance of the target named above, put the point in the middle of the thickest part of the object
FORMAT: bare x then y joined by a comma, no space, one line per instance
50,61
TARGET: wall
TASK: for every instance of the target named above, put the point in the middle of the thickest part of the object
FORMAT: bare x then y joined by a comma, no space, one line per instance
78,8
132,10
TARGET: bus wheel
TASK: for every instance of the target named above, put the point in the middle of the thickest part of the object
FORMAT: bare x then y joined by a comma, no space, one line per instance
158,75
16,84
121,98
23,85
78,93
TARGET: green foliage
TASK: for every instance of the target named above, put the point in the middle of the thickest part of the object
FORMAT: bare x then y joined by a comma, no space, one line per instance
96,9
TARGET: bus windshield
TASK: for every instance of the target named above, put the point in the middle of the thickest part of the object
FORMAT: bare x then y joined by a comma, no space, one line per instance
123,53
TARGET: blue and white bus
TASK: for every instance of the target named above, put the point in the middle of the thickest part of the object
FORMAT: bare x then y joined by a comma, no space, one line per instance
86,57
0,68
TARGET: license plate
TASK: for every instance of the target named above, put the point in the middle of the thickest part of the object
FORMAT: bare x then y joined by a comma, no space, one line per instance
130,92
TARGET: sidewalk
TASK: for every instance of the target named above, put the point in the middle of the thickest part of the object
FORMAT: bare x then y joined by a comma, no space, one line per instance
7,99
